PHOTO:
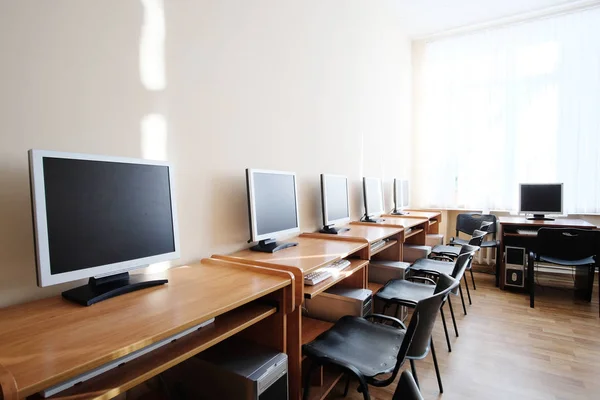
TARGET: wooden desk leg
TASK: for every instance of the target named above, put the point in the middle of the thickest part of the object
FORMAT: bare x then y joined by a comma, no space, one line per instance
530,279
294,352
8,386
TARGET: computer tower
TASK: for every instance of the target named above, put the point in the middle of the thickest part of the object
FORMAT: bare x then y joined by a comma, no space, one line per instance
336,302
233,369
516,261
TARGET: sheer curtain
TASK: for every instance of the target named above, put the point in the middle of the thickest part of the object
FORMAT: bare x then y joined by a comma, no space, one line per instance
520,103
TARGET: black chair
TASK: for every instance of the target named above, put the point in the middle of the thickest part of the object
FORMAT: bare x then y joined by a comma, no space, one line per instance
428,266
366,350
467,223
577,248
452,251
406,292
407,388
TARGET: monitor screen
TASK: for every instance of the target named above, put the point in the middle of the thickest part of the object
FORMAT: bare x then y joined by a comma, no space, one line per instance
541,198
334,197
401,193
273,204
96,213
373,194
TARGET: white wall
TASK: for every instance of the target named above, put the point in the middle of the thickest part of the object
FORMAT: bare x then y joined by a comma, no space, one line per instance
308,86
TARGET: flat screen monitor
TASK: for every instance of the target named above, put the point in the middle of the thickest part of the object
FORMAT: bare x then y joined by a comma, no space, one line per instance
97,216
272,204
540,199
334,201
400,194
373,196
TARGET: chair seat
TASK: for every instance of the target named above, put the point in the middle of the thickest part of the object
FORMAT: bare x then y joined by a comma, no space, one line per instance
432,266
405,291
490,243
459,241
372,348
449,250
559,261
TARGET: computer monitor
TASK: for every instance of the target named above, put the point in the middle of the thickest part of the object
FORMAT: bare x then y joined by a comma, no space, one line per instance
400,197
373,196
272,208
540,199
335,203
99,217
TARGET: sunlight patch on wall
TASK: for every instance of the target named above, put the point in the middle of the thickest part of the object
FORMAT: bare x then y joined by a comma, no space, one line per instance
152,46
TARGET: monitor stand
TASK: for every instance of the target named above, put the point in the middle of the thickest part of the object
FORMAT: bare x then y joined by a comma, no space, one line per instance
99,289
539,217
399,212
366,218
271,246
330,229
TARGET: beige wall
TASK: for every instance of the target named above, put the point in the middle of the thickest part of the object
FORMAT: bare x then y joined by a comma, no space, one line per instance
308,86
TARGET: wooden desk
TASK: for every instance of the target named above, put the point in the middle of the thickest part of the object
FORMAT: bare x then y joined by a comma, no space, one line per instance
434,217
415,229
46,342
310,254
509,236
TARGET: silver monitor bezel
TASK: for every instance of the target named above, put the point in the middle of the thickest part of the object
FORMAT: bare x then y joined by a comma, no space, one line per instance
326,220
368,211
400,191
562,206
254,236
40,222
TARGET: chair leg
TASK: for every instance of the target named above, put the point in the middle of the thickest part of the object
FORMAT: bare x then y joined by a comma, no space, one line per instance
462,298
467,286
437,368
445,328
473,279
452,314
348,379
414,372
307,377
397,310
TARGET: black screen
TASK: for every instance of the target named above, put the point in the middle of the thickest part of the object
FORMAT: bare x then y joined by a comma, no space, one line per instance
101,212
337,197
542,198
274,202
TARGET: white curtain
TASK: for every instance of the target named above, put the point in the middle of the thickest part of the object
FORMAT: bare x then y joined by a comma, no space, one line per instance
519,103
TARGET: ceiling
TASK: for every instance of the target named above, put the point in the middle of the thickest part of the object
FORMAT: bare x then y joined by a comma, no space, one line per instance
425,17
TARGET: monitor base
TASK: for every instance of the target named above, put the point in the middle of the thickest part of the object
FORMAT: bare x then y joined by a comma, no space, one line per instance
271,246
101,289
399,212
330,229
366,218
539,217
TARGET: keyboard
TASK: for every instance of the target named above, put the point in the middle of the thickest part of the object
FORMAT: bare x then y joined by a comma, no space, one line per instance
377,245
527,232
312,278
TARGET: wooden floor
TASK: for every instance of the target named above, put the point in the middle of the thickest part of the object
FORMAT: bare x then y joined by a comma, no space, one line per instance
508,351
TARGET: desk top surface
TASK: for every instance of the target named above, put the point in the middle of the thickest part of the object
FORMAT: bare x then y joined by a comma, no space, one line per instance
557,223
309,254
369,232
422,214
47,341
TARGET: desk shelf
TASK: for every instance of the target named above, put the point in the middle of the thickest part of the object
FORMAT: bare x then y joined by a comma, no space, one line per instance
389,244
331,376
355,265
413,232
311,328
374,286
127,376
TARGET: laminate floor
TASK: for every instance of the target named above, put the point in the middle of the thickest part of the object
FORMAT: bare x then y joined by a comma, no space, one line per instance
508,351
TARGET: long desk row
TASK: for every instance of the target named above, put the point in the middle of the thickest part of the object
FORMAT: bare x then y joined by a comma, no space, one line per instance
258,296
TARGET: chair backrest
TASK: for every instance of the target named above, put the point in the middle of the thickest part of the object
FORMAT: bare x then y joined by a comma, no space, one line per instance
428,310
406,343
468,222
477,238
462,263
567,243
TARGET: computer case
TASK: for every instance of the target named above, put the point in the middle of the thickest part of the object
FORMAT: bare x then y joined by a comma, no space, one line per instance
234,369
337,302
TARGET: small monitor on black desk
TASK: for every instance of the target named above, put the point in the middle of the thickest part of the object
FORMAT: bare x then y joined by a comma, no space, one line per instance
373,197
335,203
541,199
273,208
